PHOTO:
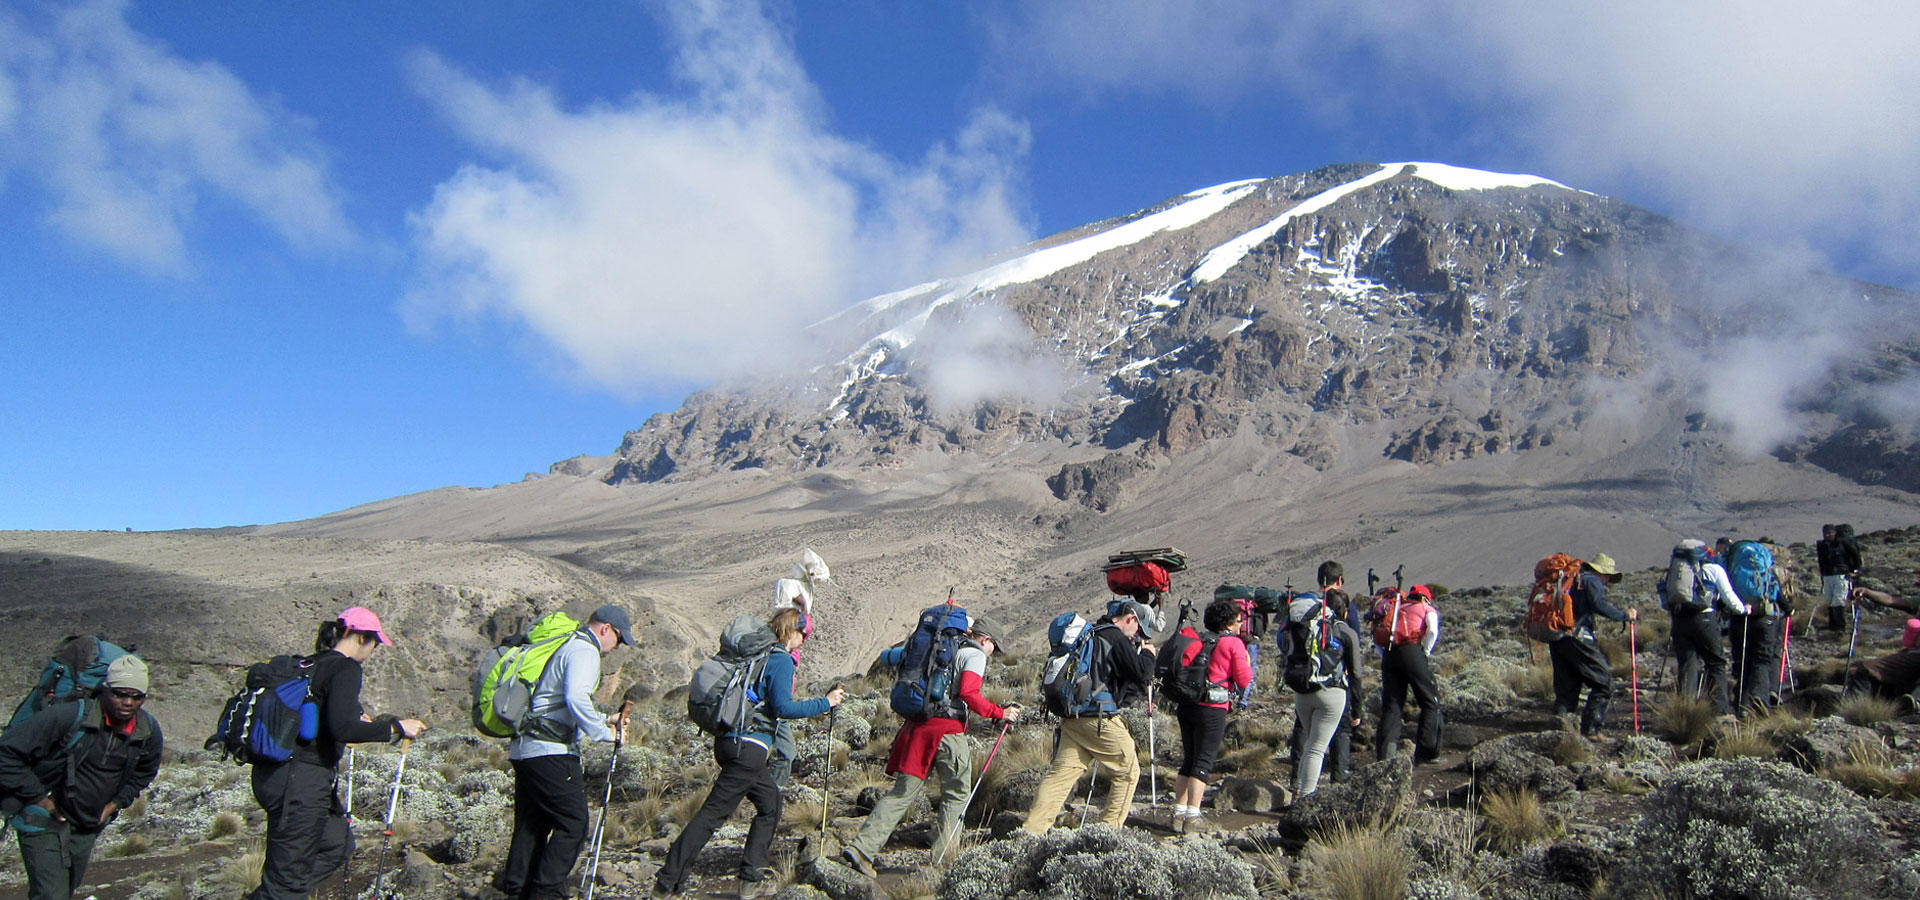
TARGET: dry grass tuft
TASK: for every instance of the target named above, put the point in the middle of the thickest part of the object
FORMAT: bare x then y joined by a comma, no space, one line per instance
1534,681
1866,710
1571,749
1683,721
133,845
1781,724
225,824
1627,785
803,815
242,872
1743,741
1512,820
1868,771
681,811
910,887
1359,864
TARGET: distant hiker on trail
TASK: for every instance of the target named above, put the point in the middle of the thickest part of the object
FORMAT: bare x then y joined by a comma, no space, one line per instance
1201,674
1405,665
1578,662
936,748
307,833
1102,738
550,816
1698,594
1324,672
1838,553
1332,578
742,755
67,772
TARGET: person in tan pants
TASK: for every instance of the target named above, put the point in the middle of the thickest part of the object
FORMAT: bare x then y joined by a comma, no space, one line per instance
1102,739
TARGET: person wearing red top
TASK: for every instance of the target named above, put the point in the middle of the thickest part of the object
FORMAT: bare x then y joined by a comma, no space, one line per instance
937,747
1203,725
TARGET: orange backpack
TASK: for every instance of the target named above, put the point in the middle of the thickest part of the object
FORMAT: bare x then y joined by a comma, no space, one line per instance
1550,605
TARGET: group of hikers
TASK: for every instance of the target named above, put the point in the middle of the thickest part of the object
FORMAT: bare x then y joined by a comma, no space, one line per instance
83,747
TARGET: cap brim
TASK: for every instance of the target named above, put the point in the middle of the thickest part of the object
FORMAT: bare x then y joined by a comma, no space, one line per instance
384,640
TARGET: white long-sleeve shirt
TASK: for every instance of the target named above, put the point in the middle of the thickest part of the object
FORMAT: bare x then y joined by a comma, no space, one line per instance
564,696
1432,636
1721,587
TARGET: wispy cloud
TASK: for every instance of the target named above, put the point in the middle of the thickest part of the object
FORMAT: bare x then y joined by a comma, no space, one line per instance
126,137
685,238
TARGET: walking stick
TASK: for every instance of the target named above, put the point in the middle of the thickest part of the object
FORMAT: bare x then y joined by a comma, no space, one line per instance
1005,727
386,834
826,767
1091,781
1786,651
592,870
1633,653
1153,754
346,868
1846,683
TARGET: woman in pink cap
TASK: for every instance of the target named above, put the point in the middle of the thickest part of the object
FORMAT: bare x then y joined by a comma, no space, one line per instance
307,834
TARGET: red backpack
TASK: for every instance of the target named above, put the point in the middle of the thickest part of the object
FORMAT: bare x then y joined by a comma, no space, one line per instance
1397,620
1550,605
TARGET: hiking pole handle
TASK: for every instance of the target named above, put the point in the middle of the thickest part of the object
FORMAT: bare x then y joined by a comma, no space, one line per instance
1399,578
620,733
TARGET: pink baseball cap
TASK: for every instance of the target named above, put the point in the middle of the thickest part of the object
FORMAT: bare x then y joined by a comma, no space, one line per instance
360,618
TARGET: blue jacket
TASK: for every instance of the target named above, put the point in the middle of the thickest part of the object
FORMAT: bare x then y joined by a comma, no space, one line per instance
774,692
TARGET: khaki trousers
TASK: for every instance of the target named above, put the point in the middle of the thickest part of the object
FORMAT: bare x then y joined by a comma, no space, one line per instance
952,774
1084,741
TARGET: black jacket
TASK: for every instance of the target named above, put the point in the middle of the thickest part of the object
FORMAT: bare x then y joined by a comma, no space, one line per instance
336,690
1129,668
1590,599
46,754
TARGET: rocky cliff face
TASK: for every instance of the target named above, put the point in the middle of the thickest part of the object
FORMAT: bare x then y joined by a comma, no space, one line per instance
1462,309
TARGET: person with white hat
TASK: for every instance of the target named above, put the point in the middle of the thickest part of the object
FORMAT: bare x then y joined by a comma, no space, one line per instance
307,833
67,772
1578,662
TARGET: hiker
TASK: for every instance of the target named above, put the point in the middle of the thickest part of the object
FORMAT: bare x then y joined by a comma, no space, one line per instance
1897,674
743,756
1578,662
67,771
1754,638
1249,636
1102,739
794,593
938,748
1203,717
1324,673
550,817
307,832
1698,595
1838,553
1406,664
1332,578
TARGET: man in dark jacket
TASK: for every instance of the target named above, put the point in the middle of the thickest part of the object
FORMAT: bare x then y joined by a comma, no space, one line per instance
1102,740
1578,662
67,771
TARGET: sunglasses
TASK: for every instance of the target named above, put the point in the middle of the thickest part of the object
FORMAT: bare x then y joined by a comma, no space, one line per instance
129,694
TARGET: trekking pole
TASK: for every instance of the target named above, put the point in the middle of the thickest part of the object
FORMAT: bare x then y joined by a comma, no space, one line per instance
1091,781
826,773
1846,683
1005,727
346,868
1786,652
1633,654
1399,578
592,870
386,834
1153,754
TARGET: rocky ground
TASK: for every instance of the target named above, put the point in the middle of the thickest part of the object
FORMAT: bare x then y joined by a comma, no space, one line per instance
1814,800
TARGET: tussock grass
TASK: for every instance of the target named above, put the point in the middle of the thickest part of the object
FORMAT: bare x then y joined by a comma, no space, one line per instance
225,824
133,845
1248,760
1571,750
1866,710
681,811
803,815
1358,864
1266,730
1020,752
1272,870
498,759
242,871
910,887
1534,681
1512,820
1743,741
1826,671
1781,724
1683,721
136,809
1627,785
1868,770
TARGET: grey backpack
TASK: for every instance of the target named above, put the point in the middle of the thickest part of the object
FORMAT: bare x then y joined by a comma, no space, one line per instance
721,698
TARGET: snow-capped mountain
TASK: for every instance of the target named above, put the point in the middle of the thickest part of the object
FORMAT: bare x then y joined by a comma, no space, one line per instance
1464,309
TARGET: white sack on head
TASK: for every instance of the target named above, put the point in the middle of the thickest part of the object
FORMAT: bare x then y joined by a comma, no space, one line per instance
812,569
792,592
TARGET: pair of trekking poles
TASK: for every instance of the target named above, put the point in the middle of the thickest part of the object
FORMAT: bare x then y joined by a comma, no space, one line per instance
386,831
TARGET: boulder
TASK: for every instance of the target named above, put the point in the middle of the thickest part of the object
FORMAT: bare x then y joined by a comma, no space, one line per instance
1252,795
1097,862
837,881
1519,761
1826,744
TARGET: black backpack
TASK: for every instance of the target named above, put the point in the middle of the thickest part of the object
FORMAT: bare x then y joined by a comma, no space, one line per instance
1188,683
1313,659
271,715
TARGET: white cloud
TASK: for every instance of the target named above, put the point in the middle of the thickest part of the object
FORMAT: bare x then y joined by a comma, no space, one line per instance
982,351
126,137
672,239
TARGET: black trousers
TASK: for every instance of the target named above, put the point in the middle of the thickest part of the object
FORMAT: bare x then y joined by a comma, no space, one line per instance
1701,657
1405,667
307,833
1579,664
1754,643
549,825
743,774
1201,730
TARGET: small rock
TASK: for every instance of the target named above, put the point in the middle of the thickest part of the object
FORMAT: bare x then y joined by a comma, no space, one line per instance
837,881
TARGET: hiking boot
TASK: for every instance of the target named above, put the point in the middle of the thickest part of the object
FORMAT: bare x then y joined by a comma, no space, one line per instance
662,891
860,861
1179,824
1200,825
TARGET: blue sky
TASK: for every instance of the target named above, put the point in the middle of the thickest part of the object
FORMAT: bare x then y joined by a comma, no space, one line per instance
265,260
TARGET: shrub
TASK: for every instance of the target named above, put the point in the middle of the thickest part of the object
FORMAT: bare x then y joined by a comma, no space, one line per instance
1726,829
1098,862
1359,864
1533,681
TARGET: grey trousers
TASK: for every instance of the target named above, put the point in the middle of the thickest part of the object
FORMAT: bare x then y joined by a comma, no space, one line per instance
1321,711
952,772
56,861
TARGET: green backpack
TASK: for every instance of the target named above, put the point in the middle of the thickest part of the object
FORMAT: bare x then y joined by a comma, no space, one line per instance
504,680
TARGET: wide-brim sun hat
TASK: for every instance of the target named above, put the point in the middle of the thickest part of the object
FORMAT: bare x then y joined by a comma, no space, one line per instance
1603,564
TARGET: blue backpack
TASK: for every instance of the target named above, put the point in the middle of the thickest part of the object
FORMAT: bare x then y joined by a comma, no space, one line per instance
1077,688
75,672
271,715
928,680
1750,568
